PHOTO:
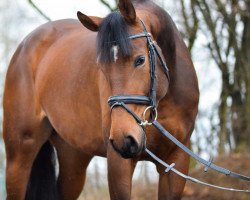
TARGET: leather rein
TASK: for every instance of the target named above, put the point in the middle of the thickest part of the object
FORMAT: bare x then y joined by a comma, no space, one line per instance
150,101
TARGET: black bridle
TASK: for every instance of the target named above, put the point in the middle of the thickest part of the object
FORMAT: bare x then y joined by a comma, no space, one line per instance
151,101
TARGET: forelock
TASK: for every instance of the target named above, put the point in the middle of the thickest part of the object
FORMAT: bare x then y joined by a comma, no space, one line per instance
113,31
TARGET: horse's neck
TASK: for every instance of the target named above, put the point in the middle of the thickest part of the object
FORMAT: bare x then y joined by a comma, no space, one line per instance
183,88
183,94
183,81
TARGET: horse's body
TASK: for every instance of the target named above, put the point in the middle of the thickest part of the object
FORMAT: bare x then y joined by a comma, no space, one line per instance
56,91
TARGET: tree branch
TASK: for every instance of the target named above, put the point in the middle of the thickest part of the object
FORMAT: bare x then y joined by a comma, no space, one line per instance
194,27
104,2
184,15
39,10
205,10
191,28
222,9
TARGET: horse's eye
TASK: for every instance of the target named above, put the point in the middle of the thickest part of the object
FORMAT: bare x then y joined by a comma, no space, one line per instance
139,61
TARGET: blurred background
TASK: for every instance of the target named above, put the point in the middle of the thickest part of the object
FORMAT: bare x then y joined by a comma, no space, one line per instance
217,33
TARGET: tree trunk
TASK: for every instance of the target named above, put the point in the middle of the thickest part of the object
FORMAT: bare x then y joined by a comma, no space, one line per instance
223,110
241,97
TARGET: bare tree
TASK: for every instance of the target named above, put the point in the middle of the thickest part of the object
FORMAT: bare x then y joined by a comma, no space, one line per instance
31,2
227,27
108,4
191,24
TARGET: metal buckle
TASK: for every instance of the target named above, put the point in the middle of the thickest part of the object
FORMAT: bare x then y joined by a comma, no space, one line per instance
170,167
209,164
146,122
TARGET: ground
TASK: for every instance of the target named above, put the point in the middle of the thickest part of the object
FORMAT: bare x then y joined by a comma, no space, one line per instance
239,163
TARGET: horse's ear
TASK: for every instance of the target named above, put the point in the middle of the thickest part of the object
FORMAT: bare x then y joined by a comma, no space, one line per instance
127,10
90,22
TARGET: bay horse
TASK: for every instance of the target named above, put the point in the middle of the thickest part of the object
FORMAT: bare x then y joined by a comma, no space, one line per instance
56,92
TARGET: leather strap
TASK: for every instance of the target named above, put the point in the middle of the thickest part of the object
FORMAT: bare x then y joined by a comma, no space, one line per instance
194,180
129,99
163,63
140,35
137,119
208,164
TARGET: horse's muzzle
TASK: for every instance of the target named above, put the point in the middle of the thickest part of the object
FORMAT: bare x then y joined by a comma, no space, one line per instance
131,148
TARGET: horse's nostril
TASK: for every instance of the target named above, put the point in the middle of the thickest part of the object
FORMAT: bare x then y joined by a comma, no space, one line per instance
131,144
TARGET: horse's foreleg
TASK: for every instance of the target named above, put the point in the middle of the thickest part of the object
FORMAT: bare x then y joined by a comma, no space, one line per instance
120,172
22,144
72,169
171,186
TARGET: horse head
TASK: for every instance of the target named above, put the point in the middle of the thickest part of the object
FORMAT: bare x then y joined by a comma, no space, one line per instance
123,54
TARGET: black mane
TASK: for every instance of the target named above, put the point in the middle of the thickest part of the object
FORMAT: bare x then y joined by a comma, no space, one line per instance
113,31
